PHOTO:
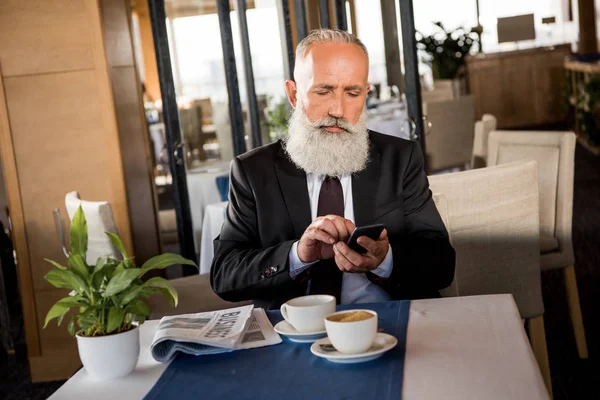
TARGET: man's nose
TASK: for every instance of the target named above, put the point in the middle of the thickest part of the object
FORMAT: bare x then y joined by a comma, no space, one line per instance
336,108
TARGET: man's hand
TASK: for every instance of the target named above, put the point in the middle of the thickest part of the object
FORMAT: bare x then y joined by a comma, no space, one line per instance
349,260
317,240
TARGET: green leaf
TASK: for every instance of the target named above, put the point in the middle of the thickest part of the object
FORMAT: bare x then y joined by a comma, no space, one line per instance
101,262
139,308
61,307
78,235
57,265
73,301
166,260
115,319
121,281
120,268
167,289
71,326
66,279
57,311
130,294
77,264
89,317
116,241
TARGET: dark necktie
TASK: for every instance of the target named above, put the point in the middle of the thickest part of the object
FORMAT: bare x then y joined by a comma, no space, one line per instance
325,276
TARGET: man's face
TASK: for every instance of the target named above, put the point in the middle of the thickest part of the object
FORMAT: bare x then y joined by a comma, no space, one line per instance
331,81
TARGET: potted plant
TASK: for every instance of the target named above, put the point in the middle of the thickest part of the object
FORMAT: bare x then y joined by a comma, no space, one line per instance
445,53
277,119
108,301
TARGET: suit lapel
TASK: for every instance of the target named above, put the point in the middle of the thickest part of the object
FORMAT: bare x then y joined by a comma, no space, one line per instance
364,190
292,182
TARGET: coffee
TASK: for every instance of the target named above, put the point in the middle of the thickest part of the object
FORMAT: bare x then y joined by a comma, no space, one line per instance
352,316
352,331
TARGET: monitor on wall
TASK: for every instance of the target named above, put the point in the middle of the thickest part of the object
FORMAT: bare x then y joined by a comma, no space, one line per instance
516,28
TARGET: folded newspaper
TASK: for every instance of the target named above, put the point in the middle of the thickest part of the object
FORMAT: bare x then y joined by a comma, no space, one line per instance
213,332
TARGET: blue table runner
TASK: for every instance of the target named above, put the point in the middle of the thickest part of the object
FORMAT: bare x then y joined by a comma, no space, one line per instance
289,370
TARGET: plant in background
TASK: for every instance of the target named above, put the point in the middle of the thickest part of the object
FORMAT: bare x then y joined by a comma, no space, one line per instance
277,119
587,109
446,50
107,297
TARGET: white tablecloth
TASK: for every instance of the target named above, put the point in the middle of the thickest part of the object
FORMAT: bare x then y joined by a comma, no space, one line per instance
390,119
456,349
214,216
202,191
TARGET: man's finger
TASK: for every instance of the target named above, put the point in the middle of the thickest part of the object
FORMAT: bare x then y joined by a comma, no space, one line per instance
369,244
350,227
320,235
327,226
342,262
348,253
340,226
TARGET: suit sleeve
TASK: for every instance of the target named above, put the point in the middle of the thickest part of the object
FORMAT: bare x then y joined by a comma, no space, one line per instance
241,268
423,256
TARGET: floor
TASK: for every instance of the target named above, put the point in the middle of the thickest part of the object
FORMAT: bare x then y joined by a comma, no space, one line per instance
572,378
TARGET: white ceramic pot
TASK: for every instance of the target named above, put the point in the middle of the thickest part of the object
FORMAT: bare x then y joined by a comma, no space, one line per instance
110,357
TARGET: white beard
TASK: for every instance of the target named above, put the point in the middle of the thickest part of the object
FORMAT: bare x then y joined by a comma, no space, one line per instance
317,151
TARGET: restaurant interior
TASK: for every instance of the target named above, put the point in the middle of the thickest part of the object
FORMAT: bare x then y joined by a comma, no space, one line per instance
135,109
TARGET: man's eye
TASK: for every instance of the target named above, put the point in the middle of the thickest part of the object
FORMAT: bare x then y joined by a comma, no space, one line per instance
353,94
321,93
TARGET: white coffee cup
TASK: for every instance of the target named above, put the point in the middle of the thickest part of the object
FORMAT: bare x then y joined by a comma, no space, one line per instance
307,313
352,337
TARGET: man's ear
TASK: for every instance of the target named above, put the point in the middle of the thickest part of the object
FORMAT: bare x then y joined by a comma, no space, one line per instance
290,90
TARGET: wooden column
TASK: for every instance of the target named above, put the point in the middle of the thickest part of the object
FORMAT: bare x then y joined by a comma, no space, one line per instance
133,130
151,80
59,131
588,41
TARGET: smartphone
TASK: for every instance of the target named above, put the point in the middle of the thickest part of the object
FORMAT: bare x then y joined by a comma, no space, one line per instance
371,231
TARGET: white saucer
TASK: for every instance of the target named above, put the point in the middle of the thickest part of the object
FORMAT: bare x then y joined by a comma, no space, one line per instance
382,343
286,329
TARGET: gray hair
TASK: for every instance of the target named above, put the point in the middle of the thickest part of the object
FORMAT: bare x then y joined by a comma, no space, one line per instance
328,36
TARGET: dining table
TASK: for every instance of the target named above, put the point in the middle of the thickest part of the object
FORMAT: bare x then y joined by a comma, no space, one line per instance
472,347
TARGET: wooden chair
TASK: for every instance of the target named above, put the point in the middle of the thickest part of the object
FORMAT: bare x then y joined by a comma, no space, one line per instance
555,154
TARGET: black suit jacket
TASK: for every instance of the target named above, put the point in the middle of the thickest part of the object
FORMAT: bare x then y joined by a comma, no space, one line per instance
269,209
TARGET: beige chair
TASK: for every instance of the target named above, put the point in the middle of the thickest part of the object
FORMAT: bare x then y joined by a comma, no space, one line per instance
99,218
449,141
492,216
555,154
483,129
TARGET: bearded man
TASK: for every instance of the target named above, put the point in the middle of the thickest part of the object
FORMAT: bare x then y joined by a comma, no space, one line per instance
294,203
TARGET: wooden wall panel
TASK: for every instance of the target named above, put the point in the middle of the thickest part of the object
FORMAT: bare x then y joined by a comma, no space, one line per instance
59,147
41,36
58,132
19,237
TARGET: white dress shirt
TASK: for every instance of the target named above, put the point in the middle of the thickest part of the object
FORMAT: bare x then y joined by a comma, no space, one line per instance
356,288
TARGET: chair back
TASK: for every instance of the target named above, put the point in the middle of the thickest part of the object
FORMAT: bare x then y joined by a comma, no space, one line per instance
555,155
483,128
492,217
449,142
99,218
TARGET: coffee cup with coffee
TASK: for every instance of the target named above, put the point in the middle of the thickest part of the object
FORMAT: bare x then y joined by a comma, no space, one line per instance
307,313
352,331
